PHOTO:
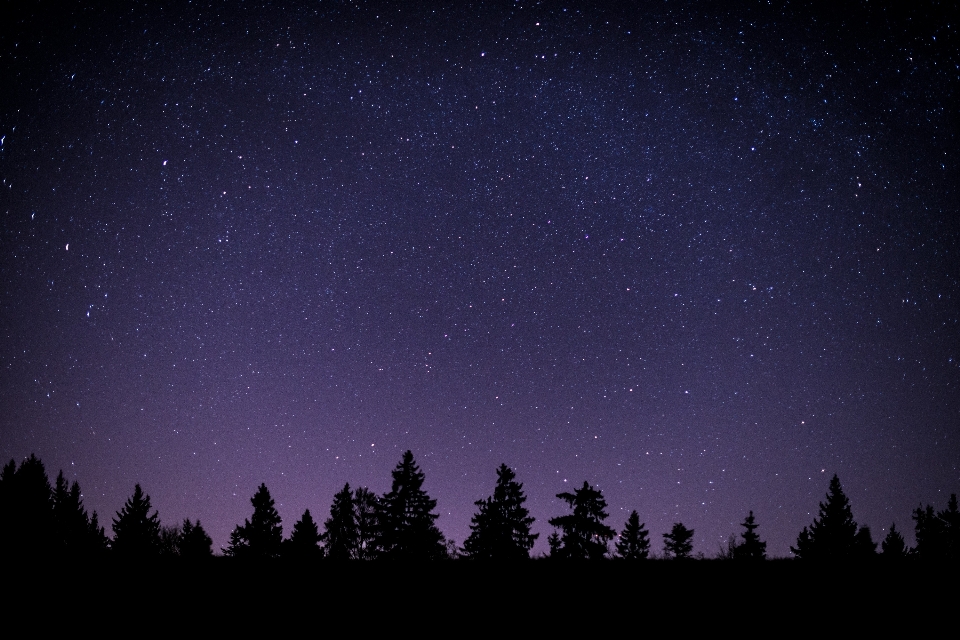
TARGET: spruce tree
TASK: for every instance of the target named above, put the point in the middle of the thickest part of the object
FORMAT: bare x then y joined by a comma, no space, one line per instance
72,522
634,540
406,522
938,533
584,536
500,530
678,544
833,535
893,545
136,533
304,541
365,505
194,541
28,528
752,548
340,529
259,537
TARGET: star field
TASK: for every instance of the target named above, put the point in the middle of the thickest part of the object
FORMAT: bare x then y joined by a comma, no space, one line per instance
700,257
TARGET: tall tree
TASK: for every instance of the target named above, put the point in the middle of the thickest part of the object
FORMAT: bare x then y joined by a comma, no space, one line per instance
365,507
340,529
938,533
136,533
584,536
678,543
260,536
752,548
406,521
833,535
27,524
893,545
500,529
304,541
634,540
194,541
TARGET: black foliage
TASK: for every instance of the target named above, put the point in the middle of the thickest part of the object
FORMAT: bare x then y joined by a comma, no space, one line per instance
893,545
340,529
304,540
938,533
752,548
136,533
634,540
678,543
834,535
500,529
261,536
584,535
194,541
405,519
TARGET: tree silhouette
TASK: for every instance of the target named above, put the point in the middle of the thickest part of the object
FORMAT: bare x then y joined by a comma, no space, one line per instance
893,546
752,548
634,540
261,536
27,524
584,534
304,541
340,529
678,543
405,517
136,533
833,535
76,534
500,529
938,534
194,541
365,506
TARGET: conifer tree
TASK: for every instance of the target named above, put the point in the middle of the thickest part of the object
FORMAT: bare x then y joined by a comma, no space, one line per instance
136,533
584,536
28,528
406,522
340,529
365,505
500,530
938,533
678,543
833,535
752,548
194,541
634,540
304,541
893,545
261,536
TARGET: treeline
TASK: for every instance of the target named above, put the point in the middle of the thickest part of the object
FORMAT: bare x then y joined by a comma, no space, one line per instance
38,519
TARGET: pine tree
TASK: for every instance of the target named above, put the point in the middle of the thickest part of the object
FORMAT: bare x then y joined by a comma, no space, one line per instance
304,541
500,530
340,529
194,541
72,522
584,534
261,536
893,546
634,540
365,506
136,533
833,535
938,533
27,524
406,521
752,548
678,543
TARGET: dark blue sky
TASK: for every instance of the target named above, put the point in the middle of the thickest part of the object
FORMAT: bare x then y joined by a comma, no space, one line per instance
700,257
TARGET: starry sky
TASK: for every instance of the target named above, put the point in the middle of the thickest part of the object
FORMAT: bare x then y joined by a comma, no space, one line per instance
702,257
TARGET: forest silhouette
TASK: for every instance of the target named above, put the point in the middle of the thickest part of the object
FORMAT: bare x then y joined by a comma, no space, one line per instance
43,520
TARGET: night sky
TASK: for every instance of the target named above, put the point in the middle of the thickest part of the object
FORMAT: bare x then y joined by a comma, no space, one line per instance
703,258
